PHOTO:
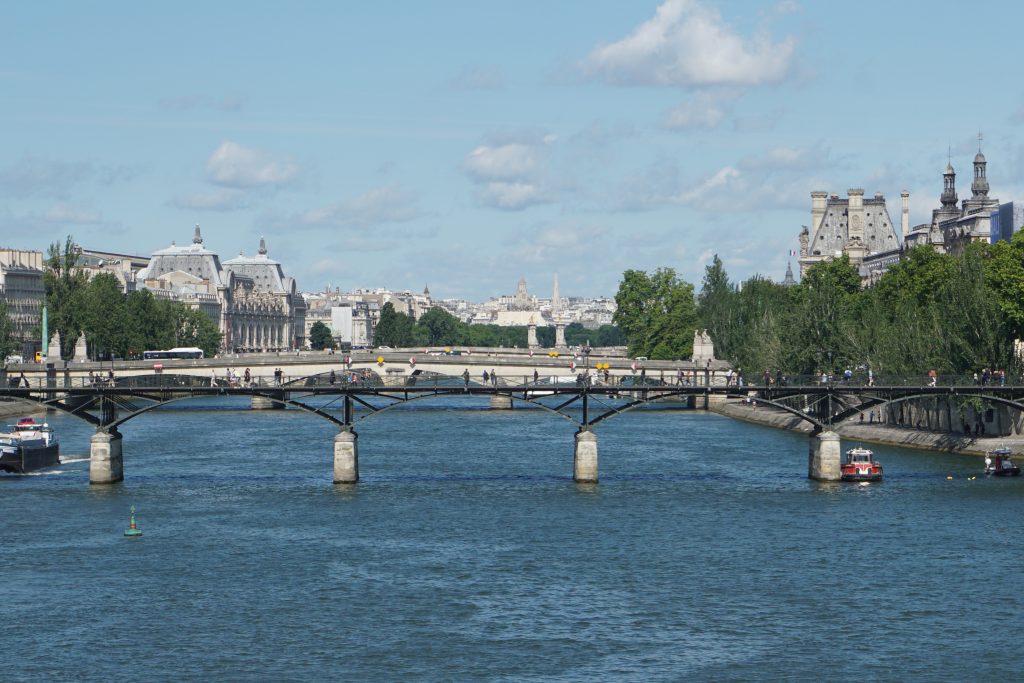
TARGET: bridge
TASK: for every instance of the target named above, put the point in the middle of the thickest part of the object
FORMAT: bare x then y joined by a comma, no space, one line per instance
344,398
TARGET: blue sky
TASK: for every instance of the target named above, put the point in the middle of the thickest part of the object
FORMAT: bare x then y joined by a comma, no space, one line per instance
465,145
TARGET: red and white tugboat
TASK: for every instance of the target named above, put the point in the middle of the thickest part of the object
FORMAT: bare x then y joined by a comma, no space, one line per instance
998,463
859,466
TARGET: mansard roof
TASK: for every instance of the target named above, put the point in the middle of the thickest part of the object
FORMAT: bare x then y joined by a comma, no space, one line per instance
832,234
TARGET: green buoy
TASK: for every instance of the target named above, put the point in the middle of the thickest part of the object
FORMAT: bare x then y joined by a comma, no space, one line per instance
132,531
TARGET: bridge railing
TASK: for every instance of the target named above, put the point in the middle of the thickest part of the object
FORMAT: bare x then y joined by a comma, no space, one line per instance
508,381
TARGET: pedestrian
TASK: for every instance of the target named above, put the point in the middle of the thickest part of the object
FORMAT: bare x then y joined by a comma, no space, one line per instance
778,378
494,377
871,377
847,375
332,378
213,378
110,377
92,379
536,376
465,377
933,377
248,377
487,378
23,380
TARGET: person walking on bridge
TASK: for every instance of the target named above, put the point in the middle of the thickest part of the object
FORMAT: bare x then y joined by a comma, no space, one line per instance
213,378
465,378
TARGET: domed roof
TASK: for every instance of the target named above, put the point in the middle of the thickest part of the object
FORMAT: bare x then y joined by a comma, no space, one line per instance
979,158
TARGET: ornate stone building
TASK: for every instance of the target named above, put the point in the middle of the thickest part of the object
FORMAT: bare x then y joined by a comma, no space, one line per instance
21,287
861,228
256,307
952,228
858,227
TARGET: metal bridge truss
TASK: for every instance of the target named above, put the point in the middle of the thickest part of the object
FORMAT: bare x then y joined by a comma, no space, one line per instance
107,407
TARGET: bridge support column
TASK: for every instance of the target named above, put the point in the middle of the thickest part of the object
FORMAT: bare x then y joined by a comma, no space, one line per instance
584,462
346,457
499,402
106,465
823,458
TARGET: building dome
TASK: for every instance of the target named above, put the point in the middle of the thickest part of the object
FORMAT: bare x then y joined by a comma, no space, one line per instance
979,158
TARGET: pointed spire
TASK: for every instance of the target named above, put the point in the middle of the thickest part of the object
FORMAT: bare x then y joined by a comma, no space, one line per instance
263,247
197,238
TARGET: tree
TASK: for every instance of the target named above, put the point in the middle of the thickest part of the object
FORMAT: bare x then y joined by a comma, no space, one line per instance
656,313
104,317
64,282
393,329
439,327
151,322
8,344
192,327
715,308
320,337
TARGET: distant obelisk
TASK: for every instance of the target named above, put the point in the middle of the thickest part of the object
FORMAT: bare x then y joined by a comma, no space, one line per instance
556,300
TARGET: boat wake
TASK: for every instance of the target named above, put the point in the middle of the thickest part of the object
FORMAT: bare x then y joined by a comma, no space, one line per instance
68,461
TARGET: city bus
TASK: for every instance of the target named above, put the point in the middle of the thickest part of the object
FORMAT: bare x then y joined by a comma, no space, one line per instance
182,352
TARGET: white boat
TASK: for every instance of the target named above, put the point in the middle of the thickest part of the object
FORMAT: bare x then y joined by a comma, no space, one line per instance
28,446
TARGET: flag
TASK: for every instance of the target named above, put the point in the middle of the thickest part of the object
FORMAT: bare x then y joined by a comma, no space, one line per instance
792,252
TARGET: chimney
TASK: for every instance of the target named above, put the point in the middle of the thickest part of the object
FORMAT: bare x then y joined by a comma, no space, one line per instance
905,213
818,200
855,219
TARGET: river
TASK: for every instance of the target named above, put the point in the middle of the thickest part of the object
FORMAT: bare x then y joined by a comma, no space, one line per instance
466,552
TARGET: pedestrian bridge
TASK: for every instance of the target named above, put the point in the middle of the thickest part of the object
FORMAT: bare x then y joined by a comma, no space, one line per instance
344,398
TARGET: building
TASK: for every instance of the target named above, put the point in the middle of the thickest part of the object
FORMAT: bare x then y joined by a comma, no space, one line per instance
861,228
351,322
858,227
256,307
21,287
1008,219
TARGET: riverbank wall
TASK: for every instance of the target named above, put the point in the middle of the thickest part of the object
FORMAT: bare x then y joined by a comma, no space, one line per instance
886,434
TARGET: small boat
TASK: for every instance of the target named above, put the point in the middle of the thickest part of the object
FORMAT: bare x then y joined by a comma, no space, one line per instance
28,446
860,466
999,463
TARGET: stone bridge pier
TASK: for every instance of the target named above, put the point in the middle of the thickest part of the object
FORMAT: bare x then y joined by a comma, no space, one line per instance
584,462
346,457
824,457
106,464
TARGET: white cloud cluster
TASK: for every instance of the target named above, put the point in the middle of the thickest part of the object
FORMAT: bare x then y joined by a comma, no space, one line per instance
687,44
509,174
232,165
380,205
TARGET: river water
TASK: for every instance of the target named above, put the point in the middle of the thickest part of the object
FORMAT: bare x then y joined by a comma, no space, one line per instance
466,552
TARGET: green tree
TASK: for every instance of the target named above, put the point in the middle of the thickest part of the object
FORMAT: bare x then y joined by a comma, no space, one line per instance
151,322
104,317
8,344
393,329
320,337
192,327
439,327
716,309
64,283
656,313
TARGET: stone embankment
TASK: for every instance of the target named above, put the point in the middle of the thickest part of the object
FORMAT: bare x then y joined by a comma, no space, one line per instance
872,433
16,408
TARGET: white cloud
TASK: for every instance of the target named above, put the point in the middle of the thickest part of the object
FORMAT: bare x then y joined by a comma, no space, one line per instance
510,174
380,205
688,44
221,200
512,196
504,162
65,213
703,110
232,165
